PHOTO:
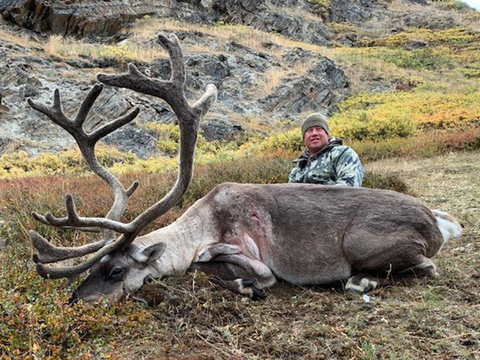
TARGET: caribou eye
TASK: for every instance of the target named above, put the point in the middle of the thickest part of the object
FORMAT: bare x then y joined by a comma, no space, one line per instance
116,273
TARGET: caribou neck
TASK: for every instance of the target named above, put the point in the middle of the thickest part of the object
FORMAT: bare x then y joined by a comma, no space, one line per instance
185,238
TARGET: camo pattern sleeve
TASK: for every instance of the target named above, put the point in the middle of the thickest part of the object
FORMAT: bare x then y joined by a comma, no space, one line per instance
348,168
293,176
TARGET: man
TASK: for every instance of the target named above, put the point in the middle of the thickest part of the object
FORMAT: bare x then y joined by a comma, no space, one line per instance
325,160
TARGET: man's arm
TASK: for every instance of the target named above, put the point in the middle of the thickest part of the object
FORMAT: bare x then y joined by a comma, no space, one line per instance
292,177
349,169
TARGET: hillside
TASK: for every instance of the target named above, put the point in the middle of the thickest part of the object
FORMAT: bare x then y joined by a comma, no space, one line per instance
400,81
404,67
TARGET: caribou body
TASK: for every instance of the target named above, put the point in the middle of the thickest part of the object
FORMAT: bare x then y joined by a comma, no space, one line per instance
247,236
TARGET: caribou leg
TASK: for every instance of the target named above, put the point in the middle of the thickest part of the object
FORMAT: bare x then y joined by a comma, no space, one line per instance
238,273
425,267
362,283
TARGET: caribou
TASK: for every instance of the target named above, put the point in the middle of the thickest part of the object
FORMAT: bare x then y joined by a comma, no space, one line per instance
245,236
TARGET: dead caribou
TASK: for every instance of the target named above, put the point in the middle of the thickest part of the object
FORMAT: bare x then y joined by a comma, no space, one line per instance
245,235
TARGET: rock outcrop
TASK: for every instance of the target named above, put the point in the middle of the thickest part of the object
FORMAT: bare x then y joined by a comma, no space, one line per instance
308,81
82,18
238,73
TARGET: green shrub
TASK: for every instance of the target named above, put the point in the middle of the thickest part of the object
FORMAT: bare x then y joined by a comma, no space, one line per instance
455,5
385,181
448,37
419,59
471,73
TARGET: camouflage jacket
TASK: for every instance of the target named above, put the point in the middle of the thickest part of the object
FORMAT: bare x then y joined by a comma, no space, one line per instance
335,164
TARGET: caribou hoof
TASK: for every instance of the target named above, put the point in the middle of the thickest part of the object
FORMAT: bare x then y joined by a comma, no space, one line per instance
247,287
360,285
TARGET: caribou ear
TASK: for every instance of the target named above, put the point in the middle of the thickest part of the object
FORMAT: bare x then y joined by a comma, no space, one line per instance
152,253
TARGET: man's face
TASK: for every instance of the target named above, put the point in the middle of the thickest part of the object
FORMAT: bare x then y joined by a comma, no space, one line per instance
315,139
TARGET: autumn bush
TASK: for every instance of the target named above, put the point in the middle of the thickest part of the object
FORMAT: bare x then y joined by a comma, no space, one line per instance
71,161
401,114
448,37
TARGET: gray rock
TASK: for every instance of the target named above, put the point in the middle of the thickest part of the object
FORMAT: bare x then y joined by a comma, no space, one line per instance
319,89
133,139
85,18
353,11
221,130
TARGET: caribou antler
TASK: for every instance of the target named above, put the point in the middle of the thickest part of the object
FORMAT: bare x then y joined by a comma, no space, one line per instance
189,117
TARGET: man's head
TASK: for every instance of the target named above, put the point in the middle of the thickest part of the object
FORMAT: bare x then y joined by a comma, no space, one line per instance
315,132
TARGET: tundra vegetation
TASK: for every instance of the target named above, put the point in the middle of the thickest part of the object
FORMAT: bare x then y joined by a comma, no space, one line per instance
430,151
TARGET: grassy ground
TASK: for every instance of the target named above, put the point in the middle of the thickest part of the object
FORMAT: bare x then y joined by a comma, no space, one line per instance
190,318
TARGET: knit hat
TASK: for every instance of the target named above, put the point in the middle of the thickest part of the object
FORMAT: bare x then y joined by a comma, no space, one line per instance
315,119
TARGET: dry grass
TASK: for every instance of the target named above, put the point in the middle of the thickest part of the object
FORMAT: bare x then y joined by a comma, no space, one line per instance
271,80
449,182
190,318
250,37
122,53
21,40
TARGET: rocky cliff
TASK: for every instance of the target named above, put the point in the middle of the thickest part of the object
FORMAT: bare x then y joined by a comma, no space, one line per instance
27,71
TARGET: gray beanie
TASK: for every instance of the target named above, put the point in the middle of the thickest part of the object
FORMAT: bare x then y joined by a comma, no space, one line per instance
315,119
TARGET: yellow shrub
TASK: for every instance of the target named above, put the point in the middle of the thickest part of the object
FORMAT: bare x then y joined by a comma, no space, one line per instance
168,146
451,36
66,162
404,113
372,124
121,53
289,140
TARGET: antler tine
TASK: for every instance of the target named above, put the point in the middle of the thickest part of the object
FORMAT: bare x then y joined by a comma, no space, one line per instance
43,220
71,271
73,220
136,81
86,143
55,112
48,253
207,100
106,129
87,105
171,44
132,188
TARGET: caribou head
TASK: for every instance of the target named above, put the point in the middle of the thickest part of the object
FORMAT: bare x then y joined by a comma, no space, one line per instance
117,264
